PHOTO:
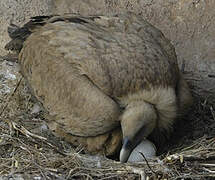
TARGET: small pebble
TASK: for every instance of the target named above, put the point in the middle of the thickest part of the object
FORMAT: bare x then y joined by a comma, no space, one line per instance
36,109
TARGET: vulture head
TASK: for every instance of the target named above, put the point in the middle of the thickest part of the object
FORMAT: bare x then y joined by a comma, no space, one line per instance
137,122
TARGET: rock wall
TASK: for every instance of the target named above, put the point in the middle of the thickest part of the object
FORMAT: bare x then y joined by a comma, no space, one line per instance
189,24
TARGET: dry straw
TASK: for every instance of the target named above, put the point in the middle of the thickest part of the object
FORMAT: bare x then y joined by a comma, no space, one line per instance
25,154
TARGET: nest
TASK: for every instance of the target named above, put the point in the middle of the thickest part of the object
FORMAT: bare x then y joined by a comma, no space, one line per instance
29,151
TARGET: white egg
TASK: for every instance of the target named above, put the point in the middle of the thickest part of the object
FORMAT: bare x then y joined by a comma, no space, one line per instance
146,147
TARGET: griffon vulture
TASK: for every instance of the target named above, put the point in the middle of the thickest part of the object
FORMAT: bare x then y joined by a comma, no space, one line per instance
105,80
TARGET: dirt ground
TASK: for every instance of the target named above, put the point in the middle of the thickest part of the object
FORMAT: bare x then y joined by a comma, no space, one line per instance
189,153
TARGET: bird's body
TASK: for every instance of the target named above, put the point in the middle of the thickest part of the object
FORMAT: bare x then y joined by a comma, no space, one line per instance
94,73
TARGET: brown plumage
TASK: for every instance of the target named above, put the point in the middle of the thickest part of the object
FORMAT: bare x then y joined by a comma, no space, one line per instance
96,73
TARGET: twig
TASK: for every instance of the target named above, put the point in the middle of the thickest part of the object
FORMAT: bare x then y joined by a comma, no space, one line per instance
137,171
81,174
212,112
28,134
208,170
41,170
208,165
14,91
25,131
211,75
110,177
147,163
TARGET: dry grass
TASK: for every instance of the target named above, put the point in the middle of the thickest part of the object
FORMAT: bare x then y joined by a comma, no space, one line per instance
29,152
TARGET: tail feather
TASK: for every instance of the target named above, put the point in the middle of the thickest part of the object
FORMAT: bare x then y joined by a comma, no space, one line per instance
20,34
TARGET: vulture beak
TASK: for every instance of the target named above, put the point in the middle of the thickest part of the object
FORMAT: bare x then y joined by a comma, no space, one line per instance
137,122
126,150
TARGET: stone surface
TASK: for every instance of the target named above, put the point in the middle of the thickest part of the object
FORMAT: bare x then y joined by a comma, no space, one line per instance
9,77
